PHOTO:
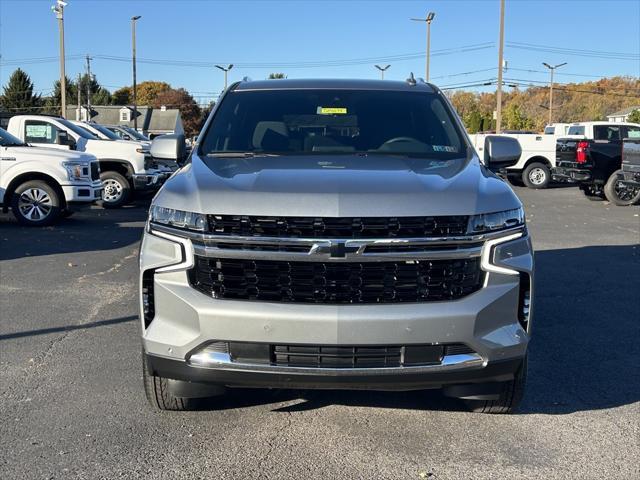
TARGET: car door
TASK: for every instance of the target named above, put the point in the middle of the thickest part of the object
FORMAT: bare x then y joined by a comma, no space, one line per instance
43,133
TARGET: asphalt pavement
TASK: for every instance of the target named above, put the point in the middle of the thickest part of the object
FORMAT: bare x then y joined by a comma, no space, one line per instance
72,403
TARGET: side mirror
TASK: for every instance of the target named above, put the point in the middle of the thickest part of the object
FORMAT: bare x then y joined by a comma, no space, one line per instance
126,137
169,147
65,139
501,152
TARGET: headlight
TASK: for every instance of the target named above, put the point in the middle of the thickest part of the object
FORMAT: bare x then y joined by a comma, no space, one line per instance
142,150
178,218
76,171
491,222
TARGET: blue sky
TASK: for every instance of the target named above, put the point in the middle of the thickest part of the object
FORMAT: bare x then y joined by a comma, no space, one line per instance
282,33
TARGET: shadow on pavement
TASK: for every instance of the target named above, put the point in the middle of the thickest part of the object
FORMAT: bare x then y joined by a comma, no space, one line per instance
90,229
68,328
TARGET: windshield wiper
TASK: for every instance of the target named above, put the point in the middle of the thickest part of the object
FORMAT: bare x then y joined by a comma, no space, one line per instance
240,154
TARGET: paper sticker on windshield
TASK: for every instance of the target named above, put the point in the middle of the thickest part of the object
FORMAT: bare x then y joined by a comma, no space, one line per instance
445,148
332,111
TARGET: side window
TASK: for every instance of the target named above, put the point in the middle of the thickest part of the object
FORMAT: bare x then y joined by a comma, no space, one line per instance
36,131
631,132
606,132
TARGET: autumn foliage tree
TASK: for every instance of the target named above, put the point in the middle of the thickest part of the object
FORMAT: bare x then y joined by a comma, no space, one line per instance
189,110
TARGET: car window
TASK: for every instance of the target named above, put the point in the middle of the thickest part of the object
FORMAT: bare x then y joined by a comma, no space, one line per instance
631,132
606,132
303,122
549,130
38,131
576,130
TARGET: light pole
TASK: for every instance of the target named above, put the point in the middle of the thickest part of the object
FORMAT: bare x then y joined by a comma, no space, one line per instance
382,70
428,19
225,70
500,65
58,9
135,86
551,69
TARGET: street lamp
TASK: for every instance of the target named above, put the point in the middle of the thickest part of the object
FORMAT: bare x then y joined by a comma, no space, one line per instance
382,70
58,9
551,69
135,92
225,70
428,19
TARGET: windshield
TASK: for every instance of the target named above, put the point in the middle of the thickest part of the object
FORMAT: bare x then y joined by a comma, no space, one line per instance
549,130
134,133
84,133
105,131
305,122
8,140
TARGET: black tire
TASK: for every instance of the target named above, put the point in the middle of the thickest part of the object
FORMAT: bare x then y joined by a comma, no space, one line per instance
536,175
66,213
592,193
510,395
515,180
618,193
159,395
35,203
116,190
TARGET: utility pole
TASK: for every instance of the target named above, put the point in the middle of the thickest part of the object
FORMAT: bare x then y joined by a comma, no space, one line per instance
382,70
58,9
551,69
500,63
79,114
428,20
135,86
225,70
88,88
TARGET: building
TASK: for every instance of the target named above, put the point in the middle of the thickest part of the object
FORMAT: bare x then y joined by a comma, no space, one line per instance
151,121
622,115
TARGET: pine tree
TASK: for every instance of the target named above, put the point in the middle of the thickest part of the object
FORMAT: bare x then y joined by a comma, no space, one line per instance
52,103
18,96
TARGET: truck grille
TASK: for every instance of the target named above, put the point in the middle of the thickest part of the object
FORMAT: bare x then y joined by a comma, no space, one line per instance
336,282
95,170
339,227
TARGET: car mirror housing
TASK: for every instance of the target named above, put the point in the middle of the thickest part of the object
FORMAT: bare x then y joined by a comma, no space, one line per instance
169,147
501,152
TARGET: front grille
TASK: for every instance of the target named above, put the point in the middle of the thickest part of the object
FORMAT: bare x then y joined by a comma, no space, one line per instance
95,170
337,282
342,227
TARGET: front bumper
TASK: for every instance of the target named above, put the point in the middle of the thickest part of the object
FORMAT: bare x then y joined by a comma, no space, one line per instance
150,180
82,192
184,320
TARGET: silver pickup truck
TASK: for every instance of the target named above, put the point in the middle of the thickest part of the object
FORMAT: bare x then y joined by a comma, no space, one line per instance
336,234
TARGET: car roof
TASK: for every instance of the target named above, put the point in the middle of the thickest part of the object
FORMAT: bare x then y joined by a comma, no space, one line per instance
333,84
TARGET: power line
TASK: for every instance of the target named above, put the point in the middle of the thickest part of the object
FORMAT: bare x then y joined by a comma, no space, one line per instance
575,52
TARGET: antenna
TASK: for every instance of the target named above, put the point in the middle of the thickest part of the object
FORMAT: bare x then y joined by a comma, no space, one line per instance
411,80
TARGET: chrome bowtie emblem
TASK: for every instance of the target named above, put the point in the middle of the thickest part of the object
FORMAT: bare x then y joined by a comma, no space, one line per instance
334,249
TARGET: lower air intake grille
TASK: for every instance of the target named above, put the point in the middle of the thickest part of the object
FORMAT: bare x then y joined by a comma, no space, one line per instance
336,282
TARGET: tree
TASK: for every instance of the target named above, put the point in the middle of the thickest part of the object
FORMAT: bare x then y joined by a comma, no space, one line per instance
122,96
18,93
276,76
634,116
147,92
189,109
52,104
99,95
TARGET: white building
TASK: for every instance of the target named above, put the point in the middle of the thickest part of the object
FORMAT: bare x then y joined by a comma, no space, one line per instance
622,115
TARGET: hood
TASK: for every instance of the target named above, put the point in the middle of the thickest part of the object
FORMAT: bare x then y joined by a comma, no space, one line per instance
53,153
112,148
336,186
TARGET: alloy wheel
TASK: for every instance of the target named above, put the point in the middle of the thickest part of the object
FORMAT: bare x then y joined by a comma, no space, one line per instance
112,190
537,176
35,204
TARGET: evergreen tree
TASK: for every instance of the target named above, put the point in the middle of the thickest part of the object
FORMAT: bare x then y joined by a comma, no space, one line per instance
52,104
18,96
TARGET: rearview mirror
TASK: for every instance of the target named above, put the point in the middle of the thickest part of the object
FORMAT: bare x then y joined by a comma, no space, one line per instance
501,152
169,147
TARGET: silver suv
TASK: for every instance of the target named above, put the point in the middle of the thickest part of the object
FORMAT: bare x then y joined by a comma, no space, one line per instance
336,234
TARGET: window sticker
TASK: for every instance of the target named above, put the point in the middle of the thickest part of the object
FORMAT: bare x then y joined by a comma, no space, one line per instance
444,148
332,111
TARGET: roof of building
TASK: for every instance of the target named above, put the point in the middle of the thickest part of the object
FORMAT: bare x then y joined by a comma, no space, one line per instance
149,119
330,84
624,111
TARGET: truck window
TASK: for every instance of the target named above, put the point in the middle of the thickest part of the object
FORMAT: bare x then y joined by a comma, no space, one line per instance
37,131
335,122
606,132
549,130
631,132
576,130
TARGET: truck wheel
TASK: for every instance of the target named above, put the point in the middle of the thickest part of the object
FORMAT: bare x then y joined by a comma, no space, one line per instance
618,193
158,394
536,175
592,193
116,190
35,203
510,395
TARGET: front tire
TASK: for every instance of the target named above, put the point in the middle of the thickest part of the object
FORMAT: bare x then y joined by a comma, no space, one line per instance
159,394
618,193
510,395
116,189
536,175
36,204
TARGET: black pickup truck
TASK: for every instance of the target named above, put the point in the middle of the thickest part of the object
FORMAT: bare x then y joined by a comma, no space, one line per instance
596,166
631,162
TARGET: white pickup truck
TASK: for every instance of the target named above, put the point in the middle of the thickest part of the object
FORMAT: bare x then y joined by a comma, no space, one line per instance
40,185
125,166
